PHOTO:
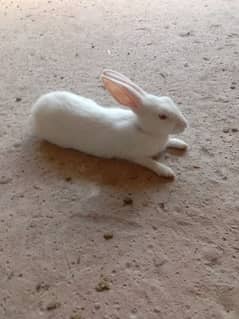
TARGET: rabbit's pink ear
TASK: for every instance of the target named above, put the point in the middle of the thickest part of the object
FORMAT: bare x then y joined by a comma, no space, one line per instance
123,92
122,78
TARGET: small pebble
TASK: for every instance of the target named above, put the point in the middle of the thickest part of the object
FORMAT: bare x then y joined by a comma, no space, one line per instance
42,286
10,276
226,130
157,310
103,285
212,255
18,99
128,201
97,306
5,180
53,305
68,178
185,34
16,145
108,236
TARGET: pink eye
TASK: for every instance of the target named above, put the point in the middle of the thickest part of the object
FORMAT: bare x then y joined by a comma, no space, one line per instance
162,116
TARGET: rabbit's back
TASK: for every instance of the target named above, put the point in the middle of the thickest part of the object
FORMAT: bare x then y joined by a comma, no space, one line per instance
73,121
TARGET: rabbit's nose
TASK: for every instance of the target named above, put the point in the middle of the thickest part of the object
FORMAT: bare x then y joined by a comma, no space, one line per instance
181,125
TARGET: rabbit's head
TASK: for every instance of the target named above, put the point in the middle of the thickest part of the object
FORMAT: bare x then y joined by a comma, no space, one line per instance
155,114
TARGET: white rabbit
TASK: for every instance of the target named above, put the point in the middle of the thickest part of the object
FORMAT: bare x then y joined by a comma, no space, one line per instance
135,134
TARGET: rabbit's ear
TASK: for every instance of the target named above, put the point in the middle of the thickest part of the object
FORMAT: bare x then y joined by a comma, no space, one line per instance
123,92
119,76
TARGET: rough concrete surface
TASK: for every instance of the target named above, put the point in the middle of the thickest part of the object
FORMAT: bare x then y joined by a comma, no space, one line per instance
82,237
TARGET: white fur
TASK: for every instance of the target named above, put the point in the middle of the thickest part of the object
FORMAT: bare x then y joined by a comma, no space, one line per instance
136,134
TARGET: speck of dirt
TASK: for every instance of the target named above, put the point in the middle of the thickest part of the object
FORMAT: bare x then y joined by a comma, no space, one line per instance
53,305
226,130
128,201
11,275
157,310
234,129
42,286
185,34
68,178
92,46
5,180
162,205
16,145
103,285
18,99
62,77
108,236
232,87
97,306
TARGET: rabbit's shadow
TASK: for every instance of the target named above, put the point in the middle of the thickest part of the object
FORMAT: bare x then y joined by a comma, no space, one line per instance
71,164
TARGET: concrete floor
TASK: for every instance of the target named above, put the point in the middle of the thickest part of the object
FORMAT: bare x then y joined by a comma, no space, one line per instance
174,253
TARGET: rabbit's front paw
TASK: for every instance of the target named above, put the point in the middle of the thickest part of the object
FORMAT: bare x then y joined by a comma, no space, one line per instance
166,172
177,144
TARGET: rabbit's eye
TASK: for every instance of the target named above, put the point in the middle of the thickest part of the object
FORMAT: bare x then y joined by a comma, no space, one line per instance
162,116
